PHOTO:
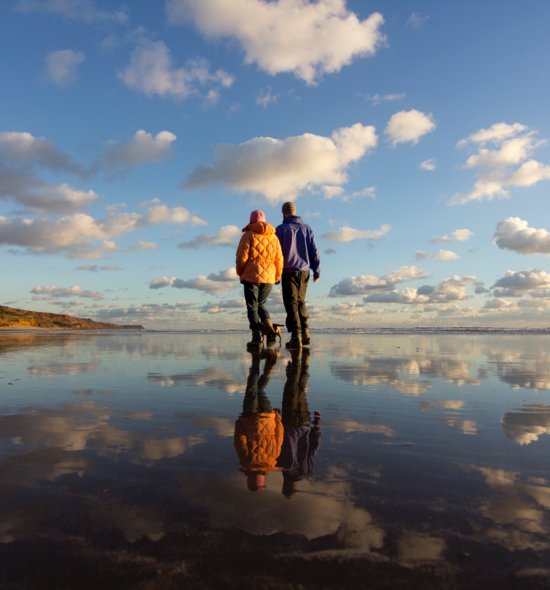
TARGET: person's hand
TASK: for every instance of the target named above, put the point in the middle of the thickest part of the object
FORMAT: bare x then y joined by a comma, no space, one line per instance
277,282
315,279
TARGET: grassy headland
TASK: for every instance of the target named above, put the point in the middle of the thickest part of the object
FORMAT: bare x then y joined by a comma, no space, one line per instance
11,317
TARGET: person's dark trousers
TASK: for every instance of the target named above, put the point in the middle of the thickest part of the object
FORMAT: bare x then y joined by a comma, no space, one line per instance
294,284
255,295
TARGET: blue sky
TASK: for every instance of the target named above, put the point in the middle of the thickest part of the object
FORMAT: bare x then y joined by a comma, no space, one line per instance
136,137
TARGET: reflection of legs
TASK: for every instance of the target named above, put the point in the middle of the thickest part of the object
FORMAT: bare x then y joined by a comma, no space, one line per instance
295,410
255,398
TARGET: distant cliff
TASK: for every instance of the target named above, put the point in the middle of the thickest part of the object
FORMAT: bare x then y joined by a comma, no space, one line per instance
20,318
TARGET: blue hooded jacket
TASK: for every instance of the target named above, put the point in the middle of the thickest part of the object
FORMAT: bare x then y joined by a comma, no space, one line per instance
298,245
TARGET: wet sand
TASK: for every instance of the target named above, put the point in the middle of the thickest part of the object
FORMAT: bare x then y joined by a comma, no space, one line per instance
428,467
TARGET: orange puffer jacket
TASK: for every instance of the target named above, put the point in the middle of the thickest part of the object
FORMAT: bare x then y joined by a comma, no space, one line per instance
259,256
258,440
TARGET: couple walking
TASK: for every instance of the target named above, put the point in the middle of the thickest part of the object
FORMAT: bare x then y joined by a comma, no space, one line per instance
267,256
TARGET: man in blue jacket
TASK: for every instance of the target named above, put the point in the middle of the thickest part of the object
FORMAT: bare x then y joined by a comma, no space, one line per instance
300,255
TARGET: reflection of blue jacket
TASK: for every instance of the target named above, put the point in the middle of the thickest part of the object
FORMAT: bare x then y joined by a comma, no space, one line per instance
299,446
298,244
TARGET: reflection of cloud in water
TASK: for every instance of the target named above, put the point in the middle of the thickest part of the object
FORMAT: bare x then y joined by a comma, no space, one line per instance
52,369
380,372
90,392
513,518
214,377
413,546
447,404
155,449
535,376
347,425
468,427
76,427
528,425
224,427
319,508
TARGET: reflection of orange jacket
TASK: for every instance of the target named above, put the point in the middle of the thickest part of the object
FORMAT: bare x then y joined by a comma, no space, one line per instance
259,256
258,440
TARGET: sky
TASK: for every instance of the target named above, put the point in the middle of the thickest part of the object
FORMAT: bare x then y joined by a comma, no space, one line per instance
413,136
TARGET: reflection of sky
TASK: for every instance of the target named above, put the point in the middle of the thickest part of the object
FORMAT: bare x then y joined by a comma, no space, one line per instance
418,440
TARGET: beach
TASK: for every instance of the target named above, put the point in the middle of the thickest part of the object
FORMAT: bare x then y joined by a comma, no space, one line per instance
426,466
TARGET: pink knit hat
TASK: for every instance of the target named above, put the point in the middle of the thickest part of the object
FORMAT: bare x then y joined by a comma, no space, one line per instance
256,216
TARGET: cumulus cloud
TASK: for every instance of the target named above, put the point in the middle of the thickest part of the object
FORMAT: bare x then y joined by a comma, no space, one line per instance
458,235
225,236
338,192
428,165
142,148
215,307
516,235
448,290
143,246
364,284
80,10
517,284
416,20
439,255
349,234
82,236
280,168
409,126
503,159
177,215
23,149
61,65
308,39
53,292
152,72
224,280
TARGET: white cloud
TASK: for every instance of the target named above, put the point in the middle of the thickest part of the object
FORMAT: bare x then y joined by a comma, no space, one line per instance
367,283
417,20
22,148
448,290
516,235
409,126
225,236
505,164
497,133
281,168
517,284
151,71
376,99
81,10
308,39
428,165
82,236
177,215
224,280
52,292
439,255
61,65
142,148
142,246
349,234
458,235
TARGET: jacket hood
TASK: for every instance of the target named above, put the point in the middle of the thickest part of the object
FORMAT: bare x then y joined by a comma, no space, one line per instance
260,227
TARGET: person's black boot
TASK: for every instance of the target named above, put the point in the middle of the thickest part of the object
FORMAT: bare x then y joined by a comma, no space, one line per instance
295,340
256,342
305,336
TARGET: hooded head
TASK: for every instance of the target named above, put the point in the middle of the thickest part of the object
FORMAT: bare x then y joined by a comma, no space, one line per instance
256,216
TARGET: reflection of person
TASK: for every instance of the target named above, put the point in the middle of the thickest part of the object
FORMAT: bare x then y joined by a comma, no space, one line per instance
259,264
259,429
301,436
300,255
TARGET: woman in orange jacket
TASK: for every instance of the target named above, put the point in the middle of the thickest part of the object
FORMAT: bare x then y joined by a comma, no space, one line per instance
259,264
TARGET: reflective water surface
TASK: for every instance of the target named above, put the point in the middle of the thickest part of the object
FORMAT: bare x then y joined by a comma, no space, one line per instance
164,460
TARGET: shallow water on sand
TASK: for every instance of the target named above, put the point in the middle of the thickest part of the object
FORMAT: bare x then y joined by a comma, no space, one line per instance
428,467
